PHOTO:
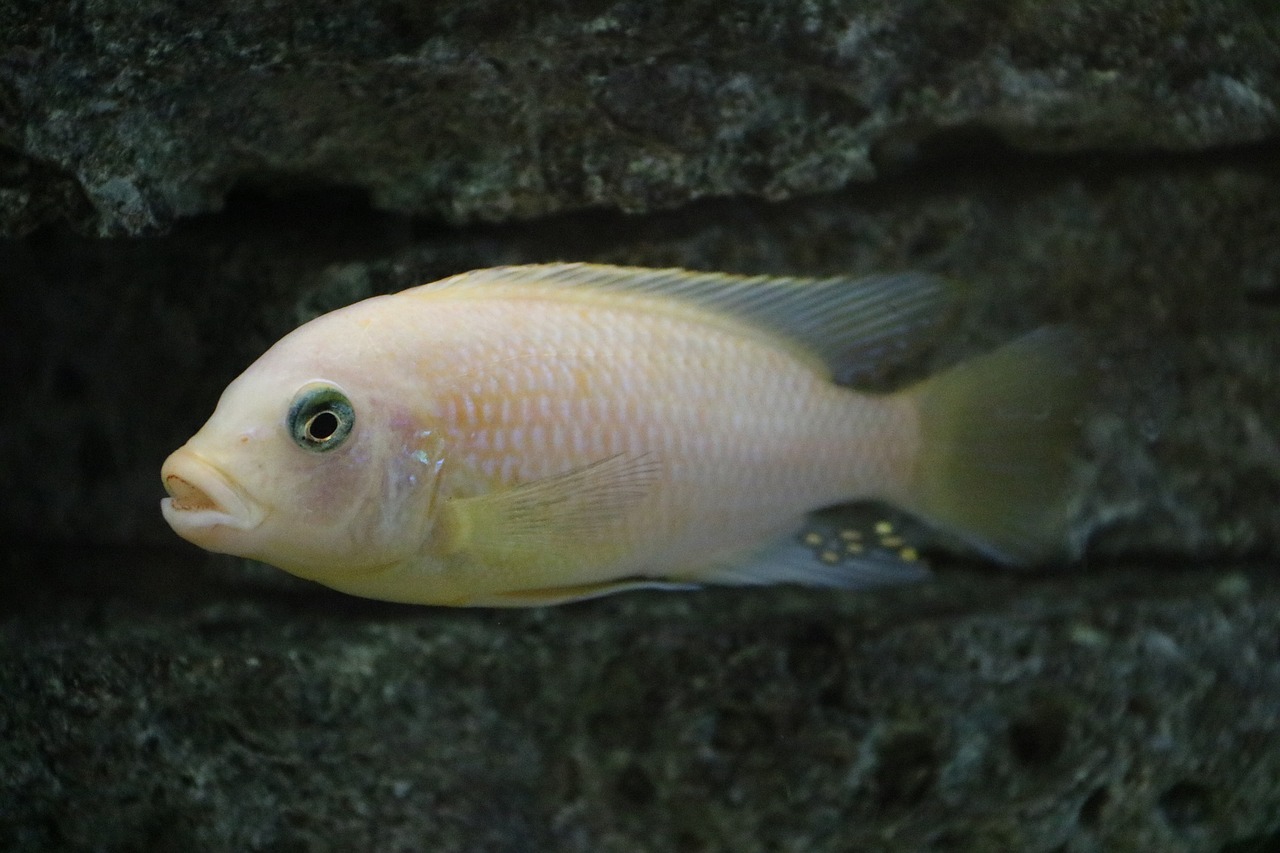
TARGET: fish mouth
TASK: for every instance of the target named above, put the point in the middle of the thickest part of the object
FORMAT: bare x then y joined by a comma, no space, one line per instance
201,497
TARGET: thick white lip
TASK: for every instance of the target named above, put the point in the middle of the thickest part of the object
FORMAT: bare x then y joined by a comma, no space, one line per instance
202,497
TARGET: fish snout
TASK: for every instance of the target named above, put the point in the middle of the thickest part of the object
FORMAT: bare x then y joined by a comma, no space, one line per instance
202,497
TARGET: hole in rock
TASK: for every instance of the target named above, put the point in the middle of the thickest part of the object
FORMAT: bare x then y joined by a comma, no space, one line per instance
907,769
1091,808
1038,738
1186,805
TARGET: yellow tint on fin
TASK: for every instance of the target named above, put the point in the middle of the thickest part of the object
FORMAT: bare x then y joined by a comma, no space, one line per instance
998,434
854,325
565,517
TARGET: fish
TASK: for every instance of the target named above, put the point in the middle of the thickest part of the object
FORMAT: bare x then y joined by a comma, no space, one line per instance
538,434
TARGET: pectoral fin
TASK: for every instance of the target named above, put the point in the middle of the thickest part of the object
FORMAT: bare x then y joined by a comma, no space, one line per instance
567,517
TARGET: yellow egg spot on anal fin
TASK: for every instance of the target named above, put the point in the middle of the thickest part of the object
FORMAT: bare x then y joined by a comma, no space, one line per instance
792,561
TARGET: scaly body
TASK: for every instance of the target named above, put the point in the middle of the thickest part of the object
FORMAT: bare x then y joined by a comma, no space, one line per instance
549,433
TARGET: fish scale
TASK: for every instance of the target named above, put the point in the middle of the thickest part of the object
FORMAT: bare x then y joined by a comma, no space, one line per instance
750,441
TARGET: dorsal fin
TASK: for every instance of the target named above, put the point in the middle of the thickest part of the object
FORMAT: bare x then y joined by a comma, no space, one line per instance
852,324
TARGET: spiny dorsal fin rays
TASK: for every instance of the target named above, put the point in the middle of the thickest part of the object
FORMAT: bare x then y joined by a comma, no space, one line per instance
543,518
854,325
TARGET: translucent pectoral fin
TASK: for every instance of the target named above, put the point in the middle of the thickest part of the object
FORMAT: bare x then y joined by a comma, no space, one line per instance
562,517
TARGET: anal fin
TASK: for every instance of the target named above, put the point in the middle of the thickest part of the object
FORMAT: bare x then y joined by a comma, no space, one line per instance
842,550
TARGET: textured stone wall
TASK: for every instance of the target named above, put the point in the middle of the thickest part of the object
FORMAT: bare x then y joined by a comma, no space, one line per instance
128,116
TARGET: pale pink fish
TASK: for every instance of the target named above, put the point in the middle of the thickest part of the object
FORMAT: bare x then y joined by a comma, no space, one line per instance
538,434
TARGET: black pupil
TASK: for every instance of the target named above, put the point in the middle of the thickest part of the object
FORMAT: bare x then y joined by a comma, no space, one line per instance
322,426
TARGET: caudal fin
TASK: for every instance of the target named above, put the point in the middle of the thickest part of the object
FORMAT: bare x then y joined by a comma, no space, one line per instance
998,435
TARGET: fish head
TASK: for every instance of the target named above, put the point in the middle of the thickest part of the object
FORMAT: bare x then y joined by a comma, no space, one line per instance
314,461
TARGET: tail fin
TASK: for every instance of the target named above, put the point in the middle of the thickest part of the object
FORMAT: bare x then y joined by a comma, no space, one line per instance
997,440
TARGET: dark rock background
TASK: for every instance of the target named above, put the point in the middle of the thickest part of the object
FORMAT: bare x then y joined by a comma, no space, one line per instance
127,117
181,184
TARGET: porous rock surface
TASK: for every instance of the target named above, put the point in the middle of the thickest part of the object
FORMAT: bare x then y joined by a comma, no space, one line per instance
125,116
1109,164
1132,711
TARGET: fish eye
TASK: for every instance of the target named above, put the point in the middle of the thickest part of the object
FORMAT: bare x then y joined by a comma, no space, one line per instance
320,418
